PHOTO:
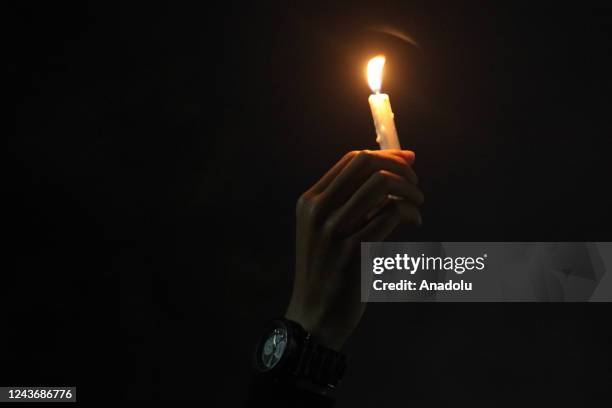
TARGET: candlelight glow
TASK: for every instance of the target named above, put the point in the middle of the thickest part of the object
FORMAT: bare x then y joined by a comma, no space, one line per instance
374,73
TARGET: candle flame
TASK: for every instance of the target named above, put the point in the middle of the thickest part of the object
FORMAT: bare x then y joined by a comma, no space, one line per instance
374,72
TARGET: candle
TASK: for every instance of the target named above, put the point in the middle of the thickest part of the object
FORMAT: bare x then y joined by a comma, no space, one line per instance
386,134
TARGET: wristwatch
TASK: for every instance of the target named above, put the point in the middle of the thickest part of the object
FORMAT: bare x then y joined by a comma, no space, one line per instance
287,352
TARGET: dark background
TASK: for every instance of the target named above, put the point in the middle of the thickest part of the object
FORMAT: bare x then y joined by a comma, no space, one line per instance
159,149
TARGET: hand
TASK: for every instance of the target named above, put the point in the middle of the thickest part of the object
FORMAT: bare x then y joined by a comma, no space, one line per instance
350,204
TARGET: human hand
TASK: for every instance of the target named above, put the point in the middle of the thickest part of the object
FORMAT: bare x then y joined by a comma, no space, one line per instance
350,204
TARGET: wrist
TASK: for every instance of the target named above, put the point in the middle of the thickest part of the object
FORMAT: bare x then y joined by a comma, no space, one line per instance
321,334
289,354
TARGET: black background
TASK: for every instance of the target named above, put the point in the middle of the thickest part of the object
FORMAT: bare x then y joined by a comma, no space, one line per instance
159,150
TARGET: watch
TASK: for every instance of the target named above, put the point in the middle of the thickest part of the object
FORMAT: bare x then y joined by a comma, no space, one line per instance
287,352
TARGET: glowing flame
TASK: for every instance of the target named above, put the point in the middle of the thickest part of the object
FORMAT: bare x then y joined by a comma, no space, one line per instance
375,71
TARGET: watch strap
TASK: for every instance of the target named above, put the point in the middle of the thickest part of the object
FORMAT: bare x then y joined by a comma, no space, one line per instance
321,365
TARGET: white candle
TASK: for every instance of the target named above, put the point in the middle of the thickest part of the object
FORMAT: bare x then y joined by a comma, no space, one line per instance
386,134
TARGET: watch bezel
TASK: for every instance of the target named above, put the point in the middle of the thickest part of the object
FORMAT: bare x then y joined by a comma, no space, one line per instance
290,355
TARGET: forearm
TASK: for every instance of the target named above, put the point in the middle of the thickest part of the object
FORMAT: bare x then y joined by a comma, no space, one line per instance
272,394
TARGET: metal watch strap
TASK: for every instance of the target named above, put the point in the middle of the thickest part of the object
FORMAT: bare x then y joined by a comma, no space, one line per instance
319,364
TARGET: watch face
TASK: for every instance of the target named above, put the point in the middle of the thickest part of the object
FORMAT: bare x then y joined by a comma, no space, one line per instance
274,347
